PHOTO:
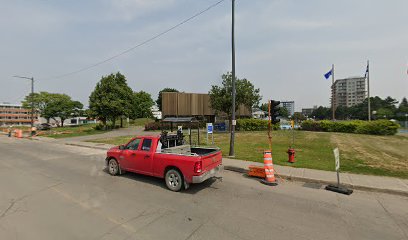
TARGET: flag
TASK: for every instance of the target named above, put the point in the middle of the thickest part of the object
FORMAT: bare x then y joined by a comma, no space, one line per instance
328,74
366,72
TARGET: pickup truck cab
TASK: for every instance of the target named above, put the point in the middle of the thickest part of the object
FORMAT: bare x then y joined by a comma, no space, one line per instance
179,164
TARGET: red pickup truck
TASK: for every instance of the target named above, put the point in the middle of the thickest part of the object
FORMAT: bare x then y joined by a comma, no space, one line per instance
179,164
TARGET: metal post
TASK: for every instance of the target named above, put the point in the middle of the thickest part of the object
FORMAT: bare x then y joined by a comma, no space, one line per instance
198,129
368,91
232,139
338,178
32,104
333,111
293,134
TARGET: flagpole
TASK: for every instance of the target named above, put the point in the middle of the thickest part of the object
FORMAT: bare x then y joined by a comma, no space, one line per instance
368,91
333,113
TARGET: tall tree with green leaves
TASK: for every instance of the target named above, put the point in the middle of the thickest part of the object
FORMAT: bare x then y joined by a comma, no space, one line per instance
63,107
53,105
41,101
111,99
221,96
403,106
159,98
142,103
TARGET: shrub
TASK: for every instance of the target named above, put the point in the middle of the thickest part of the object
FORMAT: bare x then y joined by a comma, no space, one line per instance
251,124
99,126
379,127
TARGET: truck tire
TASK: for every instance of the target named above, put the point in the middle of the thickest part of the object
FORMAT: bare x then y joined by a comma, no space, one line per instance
113,167
174,180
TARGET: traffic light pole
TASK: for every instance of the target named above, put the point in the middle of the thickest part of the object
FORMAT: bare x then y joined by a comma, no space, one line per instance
232,139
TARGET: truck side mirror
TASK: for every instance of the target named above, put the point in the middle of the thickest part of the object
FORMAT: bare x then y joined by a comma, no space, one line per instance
121,147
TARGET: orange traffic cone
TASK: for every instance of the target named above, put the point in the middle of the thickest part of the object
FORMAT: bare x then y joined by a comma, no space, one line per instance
269,171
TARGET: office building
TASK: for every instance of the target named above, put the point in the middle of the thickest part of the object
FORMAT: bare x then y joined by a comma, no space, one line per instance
15,114
349,91
308,111
289,105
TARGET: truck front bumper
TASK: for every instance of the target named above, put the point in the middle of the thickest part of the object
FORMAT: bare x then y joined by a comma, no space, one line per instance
209,174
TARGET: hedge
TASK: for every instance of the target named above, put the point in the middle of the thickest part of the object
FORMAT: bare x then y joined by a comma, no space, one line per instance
242,125
252,124
378,127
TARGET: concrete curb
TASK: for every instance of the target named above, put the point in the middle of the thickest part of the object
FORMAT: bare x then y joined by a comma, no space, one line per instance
311,180
86,146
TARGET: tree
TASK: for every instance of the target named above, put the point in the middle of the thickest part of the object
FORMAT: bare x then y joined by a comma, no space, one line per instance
264,107
298,116
283,112
403,106
62,106
142,102
111,99
221,96
41,101
322,113
159,98
52,105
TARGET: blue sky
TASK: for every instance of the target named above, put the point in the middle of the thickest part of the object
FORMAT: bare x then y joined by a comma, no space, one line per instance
284,47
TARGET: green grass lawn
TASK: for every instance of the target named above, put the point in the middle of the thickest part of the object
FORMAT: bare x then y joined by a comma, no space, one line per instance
365,154
72,131
140,122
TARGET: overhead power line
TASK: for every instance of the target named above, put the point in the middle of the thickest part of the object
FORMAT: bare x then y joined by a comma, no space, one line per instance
138,45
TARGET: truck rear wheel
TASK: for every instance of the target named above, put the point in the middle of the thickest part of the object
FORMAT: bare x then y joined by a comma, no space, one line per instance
113,167
174,180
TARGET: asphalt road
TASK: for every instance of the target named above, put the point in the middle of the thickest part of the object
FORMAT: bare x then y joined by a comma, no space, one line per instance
54,191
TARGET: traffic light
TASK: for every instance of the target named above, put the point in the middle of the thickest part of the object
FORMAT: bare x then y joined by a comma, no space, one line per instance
275,111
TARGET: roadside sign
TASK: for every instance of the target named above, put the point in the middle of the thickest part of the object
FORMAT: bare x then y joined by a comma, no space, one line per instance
337,158
209,128
180,128
210,131
234,122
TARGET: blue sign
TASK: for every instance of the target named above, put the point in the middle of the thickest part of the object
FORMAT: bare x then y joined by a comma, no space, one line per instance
209,128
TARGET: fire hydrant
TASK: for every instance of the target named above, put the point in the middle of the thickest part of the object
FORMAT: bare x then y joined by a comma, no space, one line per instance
291,155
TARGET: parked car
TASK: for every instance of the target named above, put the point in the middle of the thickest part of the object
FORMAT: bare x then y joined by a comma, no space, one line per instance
165,156
43,126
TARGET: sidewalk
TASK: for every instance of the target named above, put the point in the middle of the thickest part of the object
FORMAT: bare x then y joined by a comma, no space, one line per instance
355,181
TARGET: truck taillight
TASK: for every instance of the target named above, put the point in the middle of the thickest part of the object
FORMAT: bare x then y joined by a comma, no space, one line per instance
198,167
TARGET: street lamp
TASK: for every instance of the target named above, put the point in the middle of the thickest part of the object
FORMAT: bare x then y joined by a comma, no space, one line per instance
233,121
32,102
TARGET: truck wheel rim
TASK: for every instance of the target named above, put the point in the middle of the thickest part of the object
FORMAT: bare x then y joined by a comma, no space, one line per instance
173,180
112,167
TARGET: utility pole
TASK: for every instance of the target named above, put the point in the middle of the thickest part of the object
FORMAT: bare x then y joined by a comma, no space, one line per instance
333,110
32,94
233,122
368,91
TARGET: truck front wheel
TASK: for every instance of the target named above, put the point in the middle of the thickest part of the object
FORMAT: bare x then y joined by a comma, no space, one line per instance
174,180
113,167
